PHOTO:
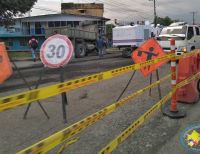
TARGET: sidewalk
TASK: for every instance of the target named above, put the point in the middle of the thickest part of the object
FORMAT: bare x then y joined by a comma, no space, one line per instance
29,63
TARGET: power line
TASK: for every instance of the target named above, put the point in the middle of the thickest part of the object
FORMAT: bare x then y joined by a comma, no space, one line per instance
45,9
124,8
119,6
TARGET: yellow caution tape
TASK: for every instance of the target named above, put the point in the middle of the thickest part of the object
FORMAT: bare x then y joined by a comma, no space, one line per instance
187,81
23,98
49,91
55,139
126,133
72,141
188,54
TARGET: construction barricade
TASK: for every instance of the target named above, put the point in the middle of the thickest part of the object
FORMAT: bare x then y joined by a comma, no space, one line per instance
5,65
67,134
188,67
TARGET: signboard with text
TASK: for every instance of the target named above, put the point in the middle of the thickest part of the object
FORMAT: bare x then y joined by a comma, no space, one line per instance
56,51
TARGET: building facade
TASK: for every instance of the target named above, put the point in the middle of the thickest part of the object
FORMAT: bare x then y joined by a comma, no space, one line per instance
18,35
91,9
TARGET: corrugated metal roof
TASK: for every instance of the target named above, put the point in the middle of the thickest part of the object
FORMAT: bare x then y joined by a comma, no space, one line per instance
65,14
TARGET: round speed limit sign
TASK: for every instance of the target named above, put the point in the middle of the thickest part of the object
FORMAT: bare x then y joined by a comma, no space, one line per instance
56,51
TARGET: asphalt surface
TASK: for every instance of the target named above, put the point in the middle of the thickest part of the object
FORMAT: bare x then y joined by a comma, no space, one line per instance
77,67
159,135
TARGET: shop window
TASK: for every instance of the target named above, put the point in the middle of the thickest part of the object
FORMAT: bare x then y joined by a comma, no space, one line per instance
76,23
70,23
17,30
63,23
57,24
51,24
82,11
10,43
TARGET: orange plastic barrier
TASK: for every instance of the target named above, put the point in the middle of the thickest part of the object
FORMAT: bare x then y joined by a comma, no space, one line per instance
198,63
188,67
5,65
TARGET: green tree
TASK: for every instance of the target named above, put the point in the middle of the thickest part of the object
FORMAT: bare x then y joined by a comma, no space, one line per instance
166,21
109,29
12,8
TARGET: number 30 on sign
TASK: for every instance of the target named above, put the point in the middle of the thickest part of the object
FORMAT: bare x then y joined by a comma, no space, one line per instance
56,51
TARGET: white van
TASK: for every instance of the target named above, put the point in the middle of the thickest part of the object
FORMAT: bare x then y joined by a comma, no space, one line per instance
187,37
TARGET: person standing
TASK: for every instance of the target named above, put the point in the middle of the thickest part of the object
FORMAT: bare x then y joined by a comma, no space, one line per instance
33,43
100,44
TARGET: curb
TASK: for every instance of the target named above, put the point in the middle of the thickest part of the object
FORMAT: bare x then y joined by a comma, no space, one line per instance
71,62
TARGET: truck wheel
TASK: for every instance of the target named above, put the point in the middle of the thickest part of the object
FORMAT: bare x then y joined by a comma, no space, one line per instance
126,53
198,86
193,48
80,51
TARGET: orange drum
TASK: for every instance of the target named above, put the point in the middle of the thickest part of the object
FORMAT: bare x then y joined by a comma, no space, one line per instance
188,67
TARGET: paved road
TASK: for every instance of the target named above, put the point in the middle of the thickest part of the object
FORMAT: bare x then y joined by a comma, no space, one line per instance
158,135
78,67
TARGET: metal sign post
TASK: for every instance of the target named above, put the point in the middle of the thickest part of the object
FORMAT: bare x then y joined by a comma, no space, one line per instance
150,82
147,51
29,87
64,96
36,86
56,52
157,79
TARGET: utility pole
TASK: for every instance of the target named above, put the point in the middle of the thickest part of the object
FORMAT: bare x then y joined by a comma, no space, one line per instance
193,16
155,14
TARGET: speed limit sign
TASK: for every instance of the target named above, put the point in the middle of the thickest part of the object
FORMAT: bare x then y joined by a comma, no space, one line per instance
56,51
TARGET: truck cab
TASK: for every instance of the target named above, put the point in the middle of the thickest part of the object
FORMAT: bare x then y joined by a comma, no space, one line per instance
187,37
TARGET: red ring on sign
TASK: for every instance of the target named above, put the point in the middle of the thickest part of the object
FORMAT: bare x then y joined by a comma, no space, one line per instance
66,60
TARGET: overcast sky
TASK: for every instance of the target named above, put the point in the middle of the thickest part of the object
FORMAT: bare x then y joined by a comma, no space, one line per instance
128,10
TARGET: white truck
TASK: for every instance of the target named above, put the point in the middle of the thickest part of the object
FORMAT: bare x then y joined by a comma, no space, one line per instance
130,37
187,37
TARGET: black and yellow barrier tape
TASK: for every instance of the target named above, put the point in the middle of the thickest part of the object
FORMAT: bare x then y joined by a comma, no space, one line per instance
131,129
49,91
65,145
23,98
126,133
60,137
